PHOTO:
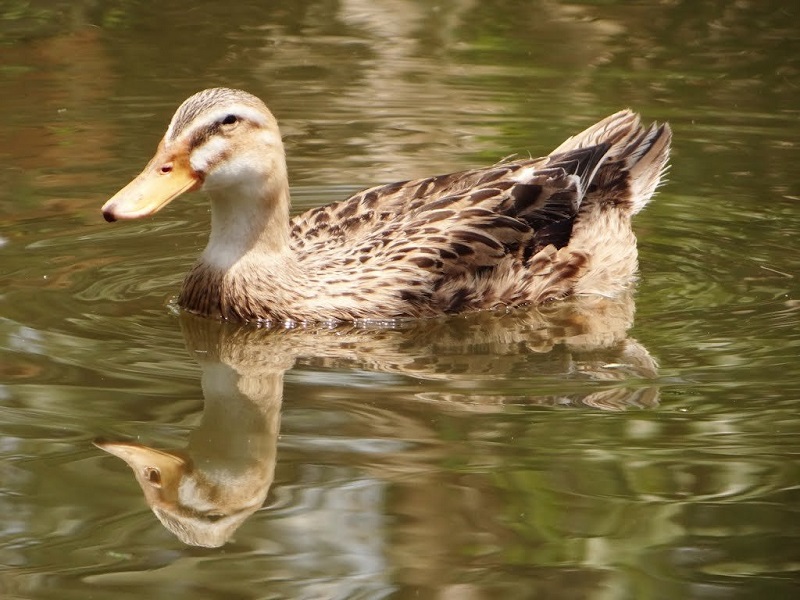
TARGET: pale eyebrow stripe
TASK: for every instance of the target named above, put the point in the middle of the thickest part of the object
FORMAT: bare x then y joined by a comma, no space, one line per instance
181,126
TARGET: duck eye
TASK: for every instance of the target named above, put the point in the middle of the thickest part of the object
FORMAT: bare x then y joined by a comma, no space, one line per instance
229,120
153,476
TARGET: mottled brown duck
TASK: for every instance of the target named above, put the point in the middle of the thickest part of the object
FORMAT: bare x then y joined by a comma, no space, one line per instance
521,232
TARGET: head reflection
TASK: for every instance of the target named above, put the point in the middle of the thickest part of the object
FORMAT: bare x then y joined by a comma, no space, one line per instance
204,492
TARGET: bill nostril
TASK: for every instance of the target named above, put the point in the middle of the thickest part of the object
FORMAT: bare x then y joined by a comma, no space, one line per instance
167,168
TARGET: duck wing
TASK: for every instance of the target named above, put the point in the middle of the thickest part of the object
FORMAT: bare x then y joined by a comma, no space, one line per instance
540,192
522,232
466,240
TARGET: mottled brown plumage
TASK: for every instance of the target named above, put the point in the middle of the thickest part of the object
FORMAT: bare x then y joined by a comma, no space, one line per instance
521,232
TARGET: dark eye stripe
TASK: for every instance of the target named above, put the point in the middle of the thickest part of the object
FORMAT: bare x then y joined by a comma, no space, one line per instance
203,134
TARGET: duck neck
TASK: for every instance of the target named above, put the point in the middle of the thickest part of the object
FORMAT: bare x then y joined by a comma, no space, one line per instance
248,270
250,220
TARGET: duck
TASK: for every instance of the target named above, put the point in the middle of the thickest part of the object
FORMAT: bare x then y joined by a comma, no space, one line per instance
521,232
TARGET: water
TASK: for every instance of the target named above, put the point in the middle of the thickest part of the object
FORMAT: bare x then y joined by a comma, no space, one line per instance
567,453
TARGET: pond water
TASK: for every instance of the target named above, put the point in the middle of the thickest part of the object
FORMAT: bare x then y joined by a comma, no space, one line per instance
565,453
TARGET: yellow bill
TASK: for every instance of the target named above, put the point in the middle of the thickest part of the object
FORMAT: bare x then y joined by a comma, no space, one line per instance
165,177
154,467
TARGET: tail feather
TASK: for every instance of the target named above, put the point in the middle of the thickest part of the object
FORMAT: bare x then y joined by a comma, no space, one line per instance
647,164
616,130
642,153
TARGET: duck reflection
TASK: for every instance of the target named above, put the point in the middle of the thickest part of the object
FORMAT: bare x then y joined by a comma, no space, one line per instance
203,493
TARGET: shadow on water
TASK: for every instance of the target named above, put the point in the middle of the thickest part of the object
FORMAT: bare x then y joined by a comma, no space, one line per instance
205,491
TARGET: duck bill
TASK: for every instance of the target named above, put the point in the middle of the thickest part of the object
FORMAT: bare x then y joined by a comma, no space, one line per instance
168,465
164,178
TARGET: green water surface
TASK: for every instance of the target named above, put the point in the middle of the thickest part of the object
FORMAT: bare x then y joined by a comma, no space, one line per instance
560,454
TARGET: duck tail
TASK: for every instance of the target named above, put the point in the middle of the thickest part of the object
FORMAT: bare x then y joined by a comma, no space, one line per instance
647,163
640,153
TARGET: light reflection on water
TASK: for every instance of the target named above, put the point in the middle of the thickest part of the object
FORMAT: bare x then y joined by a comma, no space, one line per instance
494,456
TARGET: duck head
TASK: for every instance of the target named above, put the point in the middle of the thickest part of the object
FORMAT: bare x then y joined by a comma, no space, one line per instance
221,140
